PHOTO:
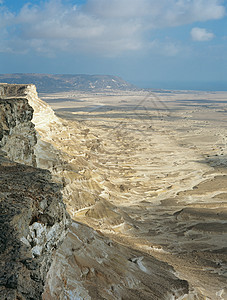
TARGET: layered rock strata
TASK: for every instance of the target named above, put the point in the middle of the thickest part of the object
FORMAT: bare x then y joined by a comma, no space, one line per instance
33,219
17,134
161,174
33,222
91,266
88,265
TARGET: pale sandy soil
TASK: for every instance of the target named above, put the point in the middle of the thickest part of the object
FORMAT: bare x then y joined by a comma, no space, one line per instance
150,171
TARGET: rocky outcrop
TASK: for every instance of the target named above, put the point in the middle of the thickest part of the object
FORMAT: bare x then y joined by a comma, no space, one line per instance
33,219
17,134
91,266
33,222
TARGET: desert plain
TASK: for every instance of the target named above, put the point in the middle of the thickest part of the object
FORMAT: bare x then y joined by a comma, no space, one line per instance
150,170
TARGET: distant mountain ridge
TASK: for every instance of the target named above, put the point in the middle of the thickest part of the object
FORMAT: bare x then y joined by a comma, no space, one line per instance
67,82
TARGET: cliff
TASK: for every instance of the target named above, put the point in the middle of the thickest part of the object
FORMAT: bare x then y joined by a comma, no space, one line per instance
33,219
17,134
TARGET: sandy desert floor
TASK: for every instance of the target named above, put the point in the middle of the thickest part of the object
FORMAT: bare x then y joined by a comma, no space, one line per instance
159,162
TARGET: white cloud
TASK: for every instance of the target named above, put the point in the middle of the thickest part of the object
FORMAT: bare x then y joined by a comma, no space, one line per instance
167,48
158,13
99,26
201,34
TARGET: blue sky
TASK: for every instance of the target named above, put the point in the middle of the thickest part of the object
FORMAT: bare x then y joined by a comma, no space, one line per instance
177,44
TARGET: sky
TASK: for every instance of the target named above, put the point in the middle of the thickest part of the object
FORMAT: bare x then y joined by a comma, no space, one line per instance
173,44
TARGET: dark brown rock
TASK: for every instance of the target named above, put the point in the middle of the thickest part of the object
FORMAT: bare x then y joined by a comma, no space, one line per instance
29,199
33,219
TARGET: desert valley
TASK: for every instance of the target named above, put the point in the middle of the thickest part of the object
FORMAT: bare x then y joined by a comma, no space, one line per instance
113,150
145,183
154,165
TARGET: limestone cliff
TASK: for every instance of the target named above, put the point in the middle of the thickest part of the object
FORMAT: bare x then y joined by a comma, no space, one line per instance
17,134
33,219
87,265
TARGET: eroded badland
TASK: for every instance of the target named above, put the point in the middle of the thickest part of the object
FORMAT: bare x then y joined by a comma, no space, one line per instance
150,170
144,179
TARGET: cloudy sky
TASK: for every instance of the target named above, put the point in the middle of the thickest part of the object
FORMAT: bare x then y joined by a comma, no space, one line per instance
152,43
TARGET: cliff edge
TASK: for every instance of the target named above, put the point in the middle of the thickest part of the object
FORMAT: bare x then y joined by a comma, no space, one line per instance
33,219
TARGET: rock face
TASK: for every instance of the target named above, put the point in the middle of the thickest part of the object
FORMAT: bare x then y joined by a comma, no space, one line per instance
17,134
33,219
91,266
33,222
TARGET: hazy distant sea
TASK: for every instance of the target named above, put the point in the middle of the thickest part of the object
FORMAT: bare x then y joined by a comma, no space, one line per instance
200,86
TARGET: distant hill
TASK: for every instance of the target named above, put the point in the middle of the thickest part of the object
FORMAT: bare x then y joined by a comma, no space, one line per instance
57,83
